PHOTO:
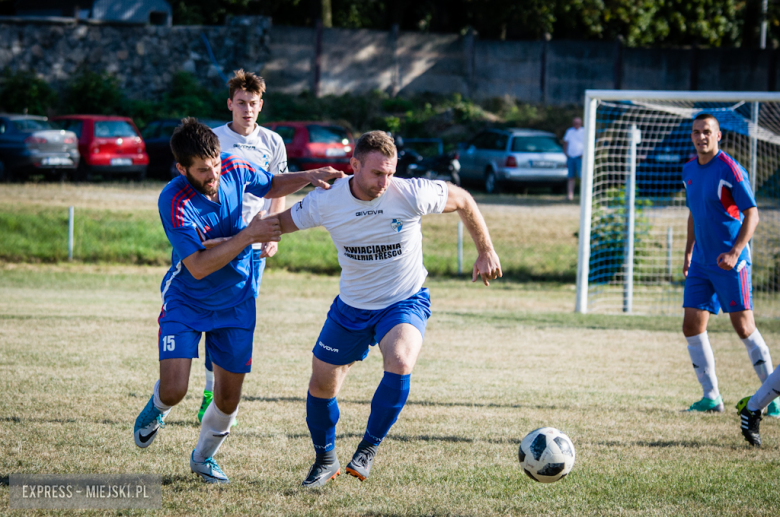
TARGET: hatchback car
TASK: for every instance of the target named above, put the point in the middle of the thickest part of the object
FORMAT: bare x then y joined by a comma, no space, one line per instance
500,157
311,145
110,146
33,145
157,137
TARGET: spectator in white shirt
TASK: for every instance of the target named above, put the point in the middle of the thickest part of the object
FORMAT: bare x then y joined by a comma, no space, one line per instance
573,144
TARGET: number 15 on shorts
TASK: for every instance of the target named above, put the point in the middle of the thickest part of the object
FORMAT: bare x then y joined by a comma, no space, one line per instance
168,343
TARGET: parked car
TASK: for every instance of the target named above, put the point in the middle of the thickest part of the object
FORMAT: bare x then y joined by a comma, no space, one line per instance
157,136
315,144
659,168
499,157
31,144
109,146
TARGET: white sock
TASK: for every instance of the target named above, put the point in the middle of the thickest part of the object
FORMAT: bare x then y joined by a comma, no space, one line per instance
703,364
759,355
209,381
214,428
766,393
158,403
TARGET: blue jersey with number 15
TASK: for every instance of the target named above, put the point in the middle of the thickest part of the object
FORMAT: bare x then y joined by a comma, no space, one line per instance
184,212
717,193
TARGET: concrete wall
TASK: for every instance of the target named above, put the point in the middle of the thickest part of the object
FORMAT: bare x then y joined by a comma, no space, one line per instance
145,58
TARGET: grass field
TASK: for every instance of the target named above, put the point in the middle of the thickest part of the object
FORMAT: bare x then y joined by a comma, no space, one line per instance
120,224
78,361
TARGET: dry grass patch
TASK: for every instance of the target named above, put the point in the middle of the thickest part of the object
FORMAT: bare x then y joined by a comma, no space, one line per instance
78,361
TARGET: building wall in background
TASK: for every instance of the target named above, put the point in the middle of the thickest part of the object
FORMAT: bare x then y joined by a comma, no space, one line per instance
336,61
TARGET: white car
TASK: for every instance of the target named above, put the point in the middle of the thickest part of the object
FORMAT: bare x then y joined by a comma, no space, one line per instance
498,157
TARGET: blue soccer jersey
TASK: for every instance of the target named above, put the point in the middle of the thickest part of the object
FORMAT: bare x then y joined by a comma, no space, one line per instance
717,193
184,212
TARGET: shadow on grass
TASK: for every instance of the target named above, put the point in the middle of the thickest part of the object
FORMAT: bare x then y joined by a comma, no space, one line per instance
414,438
414,403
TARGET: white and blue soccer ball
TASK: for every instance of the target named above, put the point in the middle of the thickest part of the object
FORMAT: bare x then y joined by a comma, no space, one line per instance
546,455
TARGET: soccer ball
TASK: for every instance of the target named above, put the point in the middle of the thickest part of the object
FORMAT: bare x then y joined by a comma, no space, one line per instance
546,455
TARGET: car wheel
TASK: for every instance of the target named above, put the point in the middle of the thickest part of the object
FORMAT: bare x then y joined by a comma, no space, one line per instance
560,188
140,175
5,174
492,185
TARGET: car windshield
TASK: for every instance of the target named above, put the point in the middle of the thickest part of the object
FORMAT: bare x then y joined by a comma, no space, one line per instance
535,144
29,124
327,135
113,129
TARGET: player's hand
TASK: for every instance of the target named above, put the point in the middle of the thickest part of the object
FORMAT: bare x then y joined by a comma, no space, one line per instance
728,260
269,249
487,266
686,265
264,228
320,177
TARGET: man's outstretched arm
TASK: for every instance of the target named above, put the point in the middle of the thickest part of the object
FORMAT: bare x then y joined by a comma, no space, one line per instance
487,265
219,252
285,184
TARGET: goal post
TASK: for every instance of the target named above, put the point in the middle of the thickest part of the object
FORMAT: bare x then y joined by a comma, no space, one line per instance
633,217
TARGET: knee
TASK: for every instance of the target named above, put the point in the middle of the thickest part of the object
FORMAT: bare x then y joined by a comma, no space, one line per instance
692,328
743,330
172,394
322,388
227,405
400,365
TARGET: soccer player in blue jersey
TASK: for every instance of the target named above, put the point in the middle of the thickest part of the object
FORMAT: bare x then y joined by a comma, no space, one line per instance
209,287
374,221
723,217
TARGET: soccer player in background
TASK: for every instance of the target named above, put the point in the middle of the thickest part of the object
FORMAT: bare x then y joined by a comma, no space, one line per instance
209,288
723,216
245,138
374,221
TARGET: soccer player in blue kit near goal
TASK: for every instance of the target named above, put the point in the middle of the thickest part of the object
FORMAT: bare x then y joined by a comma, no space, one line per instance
717,265
209,287
374,221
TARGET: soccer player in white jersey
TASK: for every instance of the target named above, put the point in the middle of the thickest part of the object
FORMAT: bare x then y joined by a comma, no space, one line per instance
374,221
244,137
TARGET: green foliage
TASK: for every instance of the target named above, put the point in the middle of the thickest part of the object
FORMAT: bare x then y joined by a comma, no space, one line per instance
93,93
23,90
609,232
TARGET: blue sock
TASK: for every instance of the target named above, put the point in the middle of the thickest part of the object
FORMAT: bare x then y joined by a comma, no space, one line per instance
321,417
388,401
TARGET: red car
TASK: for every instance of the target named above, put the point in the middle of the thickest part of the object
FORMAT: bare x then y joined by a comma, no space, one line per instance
315,144
109,146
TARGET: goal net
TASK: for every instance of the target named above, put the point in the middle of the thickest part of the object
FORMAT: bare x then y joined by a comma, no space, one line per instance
633,215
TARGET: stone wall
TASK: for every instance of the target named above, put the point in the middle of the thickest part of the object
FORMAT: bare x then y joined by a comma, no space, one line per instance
143,58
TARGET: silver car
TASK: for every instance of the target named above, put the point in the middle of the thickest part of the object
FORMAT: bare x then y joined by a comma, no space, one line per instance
32,145
499,157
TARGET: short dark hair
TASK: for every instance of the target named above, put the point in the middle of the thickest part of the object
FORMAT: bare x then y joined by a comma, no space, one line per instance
375,141
193,140
246,81
707,116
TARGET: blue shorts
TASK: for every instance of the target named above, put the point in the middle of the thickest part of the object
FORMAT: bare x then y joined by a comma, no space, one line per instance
258,265
710,288
348,332
574,164
228,334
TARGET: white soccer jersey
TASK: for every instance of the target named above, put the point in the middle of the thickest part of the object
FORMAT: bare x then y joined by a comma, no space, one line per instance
379,242
262,147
